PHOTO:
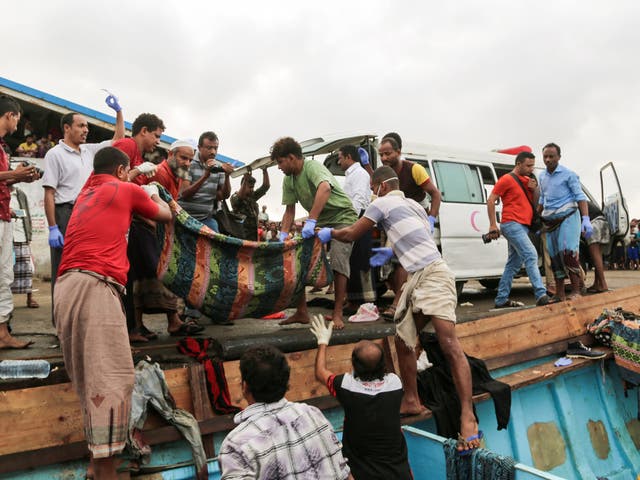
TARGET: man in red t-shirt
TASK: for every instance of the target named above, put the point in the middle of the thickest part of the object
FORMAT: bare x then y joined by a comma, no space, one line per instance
146,131
519,192
10,112
87,307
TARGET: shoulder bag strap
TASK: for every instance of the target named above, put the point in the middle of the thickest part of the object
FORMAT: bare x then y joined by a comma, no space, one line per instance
515,177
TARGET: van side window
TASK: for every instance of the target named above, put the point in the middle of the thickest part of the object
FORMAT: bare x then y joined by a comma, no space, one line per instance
459,182
424,163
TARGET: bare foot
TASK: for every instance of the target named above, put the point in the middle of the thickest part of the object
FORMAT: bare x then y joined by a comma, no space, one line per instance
468,430
135,337
338,323
411,407
13,342
295,318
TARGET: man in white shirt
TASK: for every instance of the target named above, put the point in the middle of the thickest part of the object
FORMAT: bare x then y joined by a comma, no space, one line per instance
357,186
67,167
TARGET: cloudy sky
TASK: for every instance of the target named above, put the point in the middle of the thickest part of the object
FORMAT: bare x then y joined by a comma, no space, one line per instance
466,73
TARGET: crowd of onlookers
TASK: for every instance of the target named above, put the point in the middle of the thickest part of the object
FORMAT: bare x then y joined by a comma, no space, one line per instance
625,255
30,143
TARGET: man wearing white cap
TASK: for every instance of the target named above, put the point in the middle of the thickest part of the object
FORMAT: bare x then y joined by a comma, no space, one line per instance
175,169
145,293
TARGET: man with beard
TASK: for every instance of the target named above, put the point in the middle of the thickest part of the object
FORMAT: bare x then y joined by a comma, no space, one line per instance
202,193
67,167
146,294
173,171
10,112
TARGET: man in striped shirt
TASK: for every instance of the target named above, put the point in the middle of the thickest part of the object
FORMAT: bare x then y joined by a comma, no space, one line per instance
276,439
428,297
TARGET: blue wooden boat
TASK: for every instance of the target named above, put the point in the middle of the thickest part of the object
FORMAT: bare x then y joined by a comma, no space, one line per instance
573,422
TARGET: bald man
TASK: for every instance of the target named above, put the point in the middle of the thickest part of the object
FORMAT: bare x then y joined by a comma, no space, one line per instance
372,443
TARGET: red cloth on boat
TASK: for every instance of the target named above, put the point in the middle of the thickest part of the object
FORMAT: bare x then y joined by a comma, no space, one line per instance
216,379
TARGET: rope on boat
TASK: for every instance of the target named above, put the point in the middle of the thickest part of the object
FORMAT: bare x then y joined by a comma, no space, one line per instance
481,464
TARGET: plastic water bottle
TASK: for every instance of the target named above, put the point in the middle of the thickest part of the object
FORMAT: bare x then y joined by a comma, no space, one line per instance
10,369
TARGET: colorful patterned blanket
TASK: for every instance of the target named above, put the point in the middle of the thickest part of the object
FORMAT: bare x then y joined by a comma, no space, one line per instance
228,278
620,330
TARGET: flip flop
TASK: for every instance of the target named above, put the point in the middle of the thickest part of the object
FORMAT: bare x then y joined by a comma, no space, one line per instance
33,304
464,442
389,314
144,331
187,329
593,289
510,304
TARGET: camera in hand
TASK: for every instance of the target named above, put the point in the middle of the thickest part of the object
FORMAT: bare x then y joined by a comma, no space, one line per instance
39,171
486,237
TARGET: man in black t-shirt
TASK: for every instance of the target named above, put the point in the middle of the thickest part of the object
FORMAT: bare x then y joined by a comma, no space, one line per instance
372,443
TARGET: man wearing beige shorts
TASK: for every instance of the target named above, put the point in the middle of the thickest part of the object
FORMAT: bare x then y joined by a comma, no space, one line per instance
429,296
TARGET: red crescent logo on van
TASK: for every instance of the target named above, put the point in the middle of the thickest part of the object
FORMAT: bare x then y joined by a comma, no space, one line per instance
473,220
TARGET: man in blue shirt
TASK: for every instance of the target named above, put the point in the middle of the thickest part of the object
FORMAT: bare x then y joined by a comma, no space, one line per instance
562,203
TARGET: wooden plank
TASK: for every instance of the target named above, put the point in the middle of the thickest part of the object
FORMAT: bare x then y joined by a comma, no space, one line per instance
302,383
202,409
527,329
58,407
548,370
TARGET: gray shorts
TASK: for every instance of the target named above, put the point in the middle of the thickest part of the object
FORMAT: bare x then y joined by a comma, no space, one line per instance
601,232
339,255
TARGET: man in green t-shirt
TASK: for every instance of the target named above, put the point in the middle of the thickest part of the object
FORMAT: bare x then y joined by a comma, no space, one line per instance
309,183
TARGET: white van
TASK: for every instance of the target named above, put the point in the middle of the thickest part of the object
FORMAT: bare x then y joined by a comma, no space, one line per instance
465,179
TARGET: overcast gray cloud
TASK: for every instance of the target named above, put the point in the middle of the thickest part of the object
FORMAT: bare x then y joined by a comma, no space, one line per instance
469,74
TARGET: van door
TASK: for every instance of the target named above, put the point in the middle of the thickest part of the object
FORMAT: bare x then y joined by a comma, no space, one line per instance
613,204
463,219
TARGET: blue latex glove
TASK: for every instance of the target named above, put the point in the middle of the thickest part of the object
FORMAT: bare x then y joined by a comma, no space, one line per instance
309,229
364,156
56,240
587,228
325,234
112,102
382,256
282,236
432,222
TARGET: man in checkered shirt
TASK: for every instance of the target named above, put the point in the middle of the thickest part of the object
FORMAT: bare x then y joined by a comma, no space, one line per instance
277,439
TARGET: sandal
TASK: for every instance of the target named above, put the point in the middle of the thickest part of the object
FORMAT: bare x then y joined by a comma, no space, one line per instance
33,304
187,329
593,289
389,314
465,443
148,334
510,304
